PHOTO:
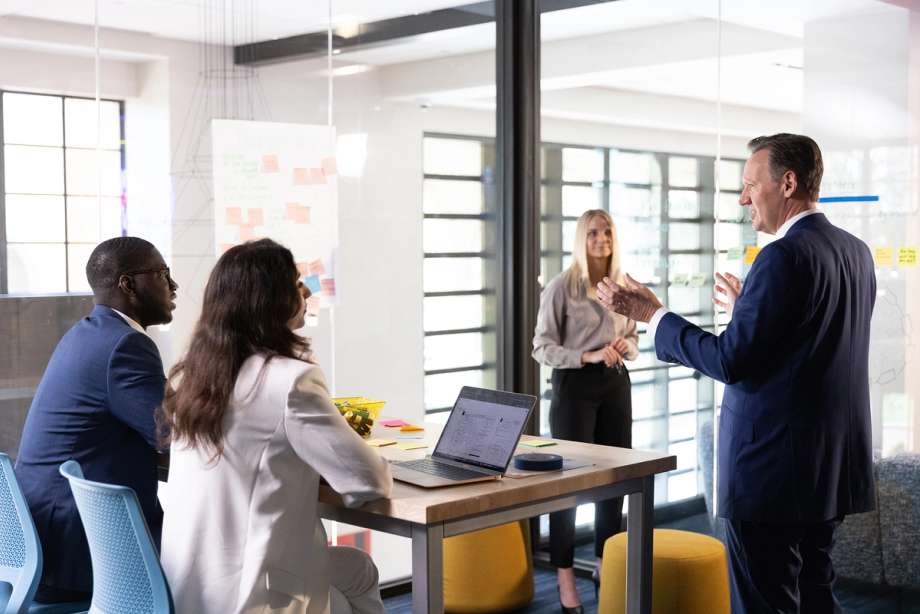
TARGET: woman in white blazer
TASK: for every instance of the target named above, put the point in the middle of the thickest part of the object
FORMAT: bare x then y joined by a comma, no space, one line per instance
252,431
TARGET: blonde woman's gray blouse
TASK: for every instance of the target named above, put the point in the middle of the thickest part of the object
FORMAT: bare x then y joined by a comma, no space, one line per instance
567,327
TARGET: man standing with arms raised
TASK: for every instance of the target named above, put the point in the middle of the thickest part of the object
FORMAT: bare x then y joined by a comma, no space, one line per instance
95,404
795,445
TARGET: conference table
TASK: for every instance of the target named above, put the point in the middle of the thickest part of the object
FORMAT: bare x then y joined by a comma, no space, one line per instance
429,515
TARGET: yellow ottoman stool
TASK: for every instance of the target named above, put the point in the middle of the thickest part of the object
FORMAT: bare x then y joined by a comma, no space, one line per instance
689,574
488,570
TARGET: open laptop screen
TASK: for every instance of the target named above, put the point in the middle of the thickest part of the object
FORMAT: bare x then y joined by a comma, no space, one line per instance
484,427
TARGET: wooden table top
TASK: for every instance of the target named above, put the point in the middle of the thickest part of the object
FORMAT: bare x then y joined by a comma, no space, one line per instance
607,465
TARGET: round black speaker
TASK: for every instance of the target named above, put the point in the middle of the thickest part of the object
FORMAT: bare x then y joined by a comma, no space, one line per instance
535,461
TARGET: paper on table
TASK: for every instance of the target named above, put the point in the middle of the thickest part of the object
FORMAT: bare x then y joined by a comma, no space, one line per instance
410,446
537,443
410,427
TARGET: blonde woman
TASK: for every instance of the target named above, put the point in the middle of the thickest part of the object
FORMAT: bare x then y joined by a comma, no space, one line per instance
586,345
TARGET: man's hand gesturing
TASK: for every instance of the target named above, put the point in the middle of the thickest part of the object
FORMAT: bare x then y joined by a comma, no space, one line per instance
633,300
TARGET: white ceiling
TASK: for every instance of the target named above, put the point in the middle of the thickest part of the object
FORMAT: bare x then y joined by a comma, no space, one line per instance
768,80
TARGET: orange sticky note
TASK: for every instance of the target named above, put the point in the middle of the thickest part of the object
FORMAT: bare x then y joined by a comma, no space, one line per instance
317,176
225,246
246,233
297,213
270,163
750,254
411,427
303,268
255,217
329,166
301,176
235,216
317,268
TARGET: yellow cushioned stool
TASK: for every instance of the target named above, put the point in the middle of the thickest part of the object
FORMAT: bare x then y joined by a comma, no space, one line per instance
488,570
689,574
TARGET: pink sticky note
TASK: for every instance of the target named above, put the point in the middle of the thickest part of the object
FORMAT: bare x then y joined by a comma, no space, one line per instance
303,268
255,217
393,423
317,176
235,216
270,163
301,176
328,286
329,166
317,268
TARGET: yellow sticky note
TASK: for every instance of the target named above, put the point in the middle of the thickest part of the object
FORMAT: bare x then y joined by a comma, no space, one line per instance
907,256
750,254
884,256
379,443
408,445
411,427
537,443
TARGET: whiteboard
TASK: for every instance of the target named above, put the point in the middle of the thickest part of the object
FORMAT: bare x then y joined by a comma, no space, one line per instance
279,181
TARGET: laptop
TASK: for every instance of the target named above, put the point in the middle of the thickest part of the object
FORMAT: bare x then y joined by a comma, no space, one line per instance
477,442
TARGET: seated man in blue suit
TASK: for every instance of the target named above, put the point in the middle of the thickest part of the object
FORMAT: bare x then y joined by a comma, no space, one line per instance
95,404
795,445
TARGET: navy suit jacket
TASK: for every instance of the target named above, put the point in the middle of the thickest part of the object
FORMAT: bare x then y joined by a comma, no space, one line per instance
95,404
795,442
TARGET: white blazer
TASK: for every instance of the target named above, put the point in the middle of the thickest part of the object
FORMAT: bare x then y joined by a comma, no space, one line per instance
242,534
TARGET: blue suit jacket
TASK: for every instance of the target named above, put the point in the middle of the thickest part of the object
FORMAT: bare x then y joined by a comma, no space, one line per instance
795,441
95,404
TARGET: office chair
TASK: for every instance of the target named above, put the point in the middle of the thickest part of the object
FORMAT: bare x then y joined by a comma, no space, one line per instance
21,552
127,576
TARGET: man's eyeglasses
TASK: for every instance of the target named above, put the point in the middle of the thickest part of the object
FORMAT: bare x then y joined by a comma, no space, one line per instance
162,274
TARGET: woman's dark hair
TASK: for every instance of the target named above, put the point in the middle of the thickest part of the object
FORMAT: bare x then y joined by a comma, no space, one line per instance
249,300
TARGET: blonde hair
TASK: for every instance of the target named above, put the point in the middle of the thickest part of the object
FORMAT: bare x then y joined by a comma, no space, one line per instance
577,275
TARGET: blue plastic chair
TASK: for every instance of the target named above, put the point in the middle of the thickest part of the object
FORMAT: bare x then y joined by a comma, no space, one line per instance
21,552
127,576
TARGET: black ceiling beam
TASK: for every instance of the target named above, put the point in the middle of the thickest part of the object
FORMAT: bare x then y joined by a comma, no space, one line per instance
315,44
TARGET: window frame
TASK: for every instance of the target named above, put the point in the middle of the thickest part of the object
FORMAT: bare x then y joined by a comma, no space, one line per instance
4,243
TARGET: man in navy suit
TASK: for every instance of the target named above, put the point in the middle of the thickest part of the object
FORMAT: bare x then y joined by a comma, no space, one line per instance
95,404
795,447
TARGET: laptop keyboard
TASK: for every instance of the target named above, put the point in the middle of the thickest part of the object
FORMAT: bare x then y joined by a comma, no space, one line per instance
442,470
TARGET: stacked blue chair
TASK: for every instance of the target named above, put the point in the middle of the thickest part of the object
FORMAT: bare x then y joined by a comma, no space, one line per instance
127,576
21,552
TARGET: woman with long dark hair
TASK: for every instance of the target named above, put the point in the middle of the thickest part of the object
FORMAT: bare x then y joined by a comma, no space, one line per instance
586,345
253,430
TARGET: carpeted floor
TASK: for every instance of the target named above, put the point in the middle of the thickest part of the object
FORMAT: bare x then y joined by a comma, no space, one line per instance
855,597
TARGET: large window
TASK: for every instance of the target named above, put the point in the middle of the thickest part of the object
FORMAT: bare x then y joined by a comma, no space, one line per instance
459,268
664,206
61,189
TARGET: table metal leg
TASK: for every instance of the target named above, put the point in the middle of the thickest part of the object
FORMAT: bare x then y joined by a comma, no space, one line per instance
428,569
639,549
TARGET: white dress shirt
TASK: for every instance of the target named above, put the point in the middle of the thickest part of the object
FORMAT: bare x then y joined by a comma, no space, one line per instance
131,322
656,318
